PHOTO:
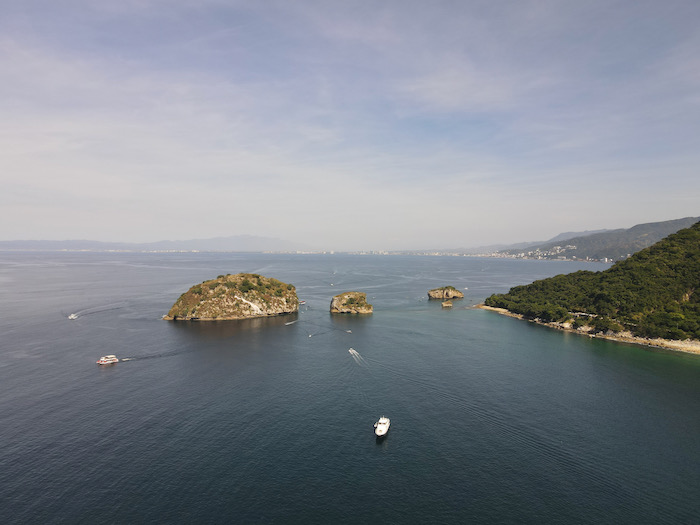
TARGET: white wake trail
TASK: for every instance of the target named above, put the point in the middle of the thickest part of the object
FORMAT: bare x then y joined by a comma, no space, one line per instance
357,357
97,309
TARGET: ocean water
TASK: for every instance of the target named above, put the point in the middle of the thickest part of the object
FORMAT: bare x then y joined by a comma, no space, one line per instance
494,420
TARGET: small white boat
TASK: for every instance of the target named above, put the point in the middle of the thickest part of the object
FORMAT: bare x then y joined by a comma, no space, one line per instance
107,360
73,316
381,427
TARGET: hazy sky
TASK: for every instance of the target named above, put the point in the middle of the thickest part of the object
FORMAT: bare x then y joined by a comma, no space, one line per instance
346,124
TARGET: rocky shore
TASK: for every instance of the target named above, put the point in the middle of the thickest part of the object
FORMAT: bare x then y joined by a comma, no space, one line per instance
687,346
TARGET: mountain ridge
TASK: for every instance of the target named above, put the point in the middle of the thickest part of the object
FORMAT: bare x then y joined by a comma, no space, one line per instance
607,244
611,245
232,243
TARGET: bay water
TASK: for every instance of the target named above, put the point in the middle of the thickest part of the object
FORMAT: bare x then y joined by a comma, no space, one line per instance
493,420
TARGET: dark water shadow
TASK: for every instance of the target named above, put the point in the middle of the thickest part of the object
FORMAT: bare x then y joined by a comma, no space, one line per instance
220,330
347,322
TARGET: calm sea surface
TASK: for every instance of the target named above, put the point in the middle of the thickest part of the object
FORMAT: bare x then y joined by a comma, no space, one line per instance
494,420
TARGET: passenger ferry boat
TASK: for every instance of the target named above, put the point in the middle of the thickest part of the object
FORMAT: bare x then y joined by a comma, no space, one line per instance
381,427
107,360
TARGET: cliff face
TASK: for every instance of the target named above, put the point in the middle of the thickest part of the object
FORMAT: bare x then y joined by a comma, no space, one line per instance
351,303
446,292
239,296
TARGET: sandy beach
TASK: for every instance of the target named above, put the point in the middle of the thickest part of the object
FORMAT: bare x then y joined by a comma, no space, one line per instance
689,346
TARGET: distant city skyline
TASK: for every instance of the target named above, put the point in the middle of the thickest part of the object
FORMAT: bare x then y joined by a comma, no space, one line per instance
346,126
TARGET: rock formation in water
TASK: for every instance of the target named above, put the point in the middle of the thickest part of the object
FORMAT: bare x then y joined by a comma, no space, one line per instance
239,296
351,303
446,292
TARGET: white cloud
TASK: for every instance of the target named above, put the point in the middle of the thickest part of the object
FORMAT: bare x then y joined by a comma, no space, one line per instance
281,121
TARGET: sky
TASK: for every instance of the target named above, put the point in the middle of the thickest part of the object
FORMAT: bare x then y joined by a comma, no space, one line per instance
346,125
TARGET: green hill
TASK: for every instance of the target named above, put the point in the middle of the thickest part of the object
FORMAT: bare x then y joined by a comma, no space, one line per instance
654,293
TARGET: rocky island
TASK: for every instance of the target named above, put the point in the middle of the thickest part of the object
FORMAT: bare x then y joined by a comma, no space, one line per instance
444,293
351,303
239,296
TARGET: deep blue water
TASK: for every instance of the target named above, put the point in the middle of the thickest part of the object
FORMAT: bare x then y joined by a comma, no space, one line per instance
494,420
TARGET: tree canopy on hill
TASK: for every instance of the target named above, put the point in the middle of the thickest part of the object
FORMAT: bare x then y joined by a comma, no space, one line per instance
651,294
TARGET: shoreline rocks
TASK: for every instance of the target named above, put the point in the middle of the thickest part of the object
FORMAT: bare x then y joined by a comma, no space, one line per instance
687,346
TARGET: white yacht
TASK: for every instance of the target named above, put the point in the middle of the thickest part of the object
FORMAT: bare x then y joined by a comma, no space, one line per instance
73,316
381,427
107,360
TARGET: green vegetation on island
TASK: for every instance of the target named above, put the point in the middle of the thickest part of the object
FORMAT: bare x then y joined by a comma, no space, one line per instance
237,296
350,303
653,294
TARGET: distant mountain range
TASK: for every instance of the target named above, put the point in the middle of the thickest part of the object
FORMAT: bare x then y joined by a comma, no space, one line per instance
606,244
585,245
235,243
492,248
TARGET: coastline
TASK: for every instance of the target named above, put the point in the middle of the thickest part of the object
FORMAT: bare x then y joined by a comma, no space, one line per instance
687,347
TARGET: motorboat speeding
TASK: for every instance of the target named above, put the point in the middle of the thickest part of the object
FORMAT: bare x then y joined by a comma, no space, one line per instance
381,427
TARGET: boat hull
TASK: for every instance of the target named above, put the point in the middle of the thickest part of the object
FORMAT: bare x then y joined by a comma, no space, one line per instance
381,427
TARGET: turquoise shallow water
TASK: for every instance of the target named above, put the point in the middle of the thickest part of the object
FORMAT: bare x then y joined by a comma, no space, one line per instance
493,419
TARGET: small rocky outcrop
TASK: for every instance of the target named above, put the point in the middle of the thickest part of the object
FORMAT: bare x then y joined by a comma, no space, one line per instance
447,304
444,293
351,303
239,296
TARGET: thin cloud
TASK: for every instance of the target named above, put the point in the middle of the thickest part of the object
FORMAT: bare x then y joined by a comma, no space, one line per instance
233,118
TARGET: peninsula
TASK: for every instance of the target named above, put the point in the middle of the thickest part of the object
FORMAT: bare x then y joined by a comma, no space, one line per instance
239,296
649,298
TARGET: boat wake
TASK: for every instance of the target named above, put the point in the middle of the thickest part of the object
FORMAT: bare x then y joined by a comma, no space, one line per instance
357,357
152,356
96,310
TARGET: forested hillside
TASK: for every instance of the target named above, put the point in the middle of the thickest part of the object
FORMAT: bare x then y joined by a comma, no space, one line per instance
654,293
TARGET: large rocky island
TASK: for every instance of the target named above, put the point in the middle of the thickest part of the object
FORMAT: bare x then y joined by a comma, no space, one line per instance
351,303
239,296
446,292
